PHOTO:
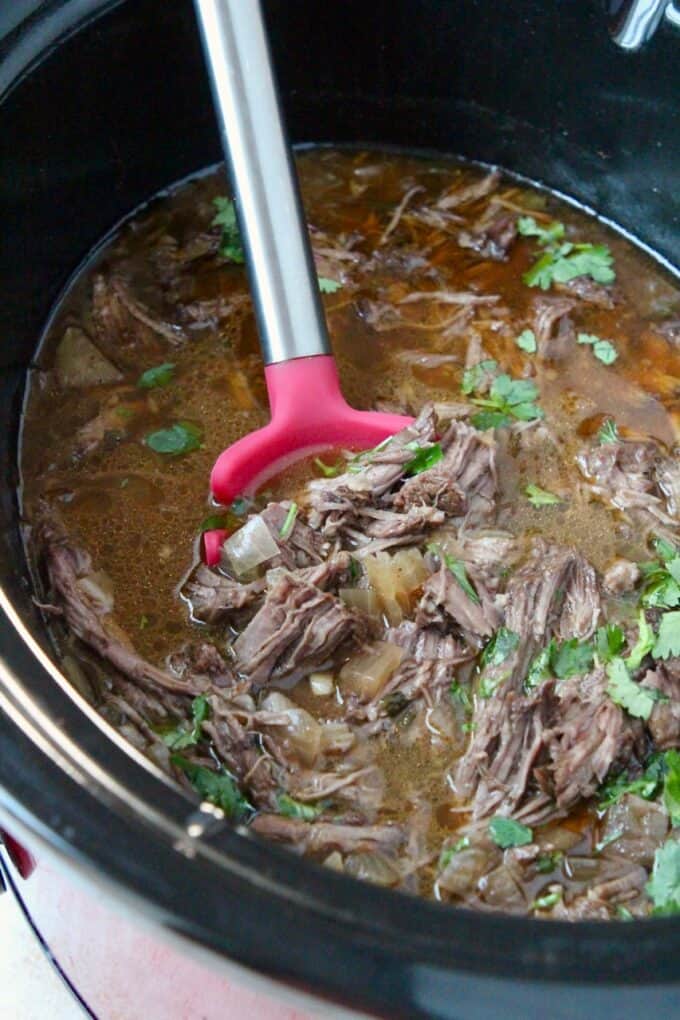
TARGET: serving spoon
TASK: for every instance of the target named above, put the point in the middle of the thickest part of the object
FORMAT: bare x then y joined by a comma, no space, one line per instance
308,410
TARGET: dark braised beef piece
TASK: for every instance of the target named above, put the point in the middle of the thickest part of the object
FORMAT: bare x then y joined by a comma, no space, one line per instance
635,476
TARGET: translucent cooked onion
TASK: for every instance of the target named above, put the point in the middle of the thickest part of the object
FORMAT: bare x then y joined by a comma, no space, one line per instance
394,579
303,732
321,684
363,599
250,546
98,589
367,672
336,737
372,867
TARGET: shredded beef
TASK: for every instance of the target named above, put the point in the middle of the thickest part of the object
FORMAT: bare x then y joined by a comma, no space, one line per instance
296,631
588,291
491,237
320,837
664,721
556,590
634,476
444,601
552,326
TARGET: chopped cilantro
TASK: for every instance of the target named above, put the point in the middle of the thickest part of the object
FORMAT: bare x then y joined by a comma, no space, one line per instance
501,645
603,350
671,785
539,670
609,640
548,901
608,433
507,399
460,693
329,470
182,437
664,886
564,262
548,862
506,832
624,914
231,247
445,856
646,785
668,641
526,341
643,645
289,522
528,227
457,568
638,701
292,808
327,286
661,589
426,457
158,376
217,787
476,375
541,497
181,737
606,840
571,658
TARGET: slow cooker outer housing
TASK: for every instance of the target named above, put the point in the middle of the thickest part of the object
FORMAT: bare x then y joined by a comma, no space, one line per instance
93,122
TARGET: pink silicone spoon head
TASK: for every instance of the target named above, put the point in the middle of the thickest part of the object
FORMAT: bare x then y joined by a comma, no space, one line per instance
309,414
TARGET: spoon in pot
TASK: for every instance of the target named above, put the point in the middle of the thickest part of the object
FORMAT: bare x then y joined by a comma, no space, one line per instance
308,411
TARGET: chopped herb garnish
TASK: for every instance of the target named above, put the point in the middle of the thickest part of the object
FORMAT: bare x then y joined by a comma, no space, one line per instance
182,437
231,247
564,262
571,658
461,693
507,399
548,862
526,341
506,832
501,645
664,886
469,727
668,642
426,457
539,670
606,840
661,589
624,914
182,736
213,521
446,855
158,376
608,433
528,227
289,522
541,497
643,645
548,901
217,787
457,568
143,622
292,808
476,375
327,286
609,640
638,701
646,786
603,350
671,785
329,470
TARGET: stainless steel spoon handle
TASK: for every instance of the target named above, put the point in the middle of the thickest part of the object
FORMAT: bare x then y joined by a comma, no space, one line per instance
268,205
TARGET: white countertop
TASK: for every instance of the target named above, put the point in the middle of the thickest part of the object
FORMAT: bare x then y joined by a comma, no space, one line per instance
30,988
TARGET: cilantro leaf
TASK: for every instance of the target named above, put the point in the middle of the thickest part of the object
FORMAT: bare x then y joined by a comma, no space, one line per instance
646,786
668,641
484,420
508,398
460,693
671,785
457,568
499,648
329,470
571,658
506,832
526,341
528,227
217,787
289,522
158,376
564,262
608,433
643,645
291,808
327,286
548,901
181,737
231,247
664,886
603,350
541,497
182,437
624,691
539,670
426,457
609,640
446,856
474,376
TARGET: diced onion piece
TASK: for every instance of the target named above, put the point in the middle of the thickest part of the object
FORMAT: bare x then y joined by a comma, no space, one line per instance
394,579
303,732
322,684
373,867
336,737
363,599
367,672
334,861
250,546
